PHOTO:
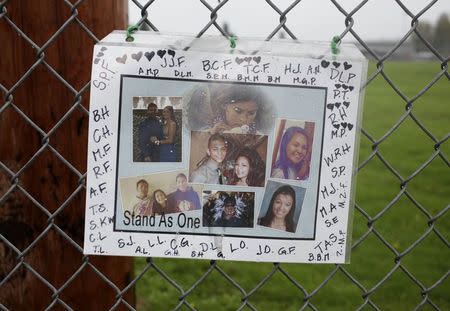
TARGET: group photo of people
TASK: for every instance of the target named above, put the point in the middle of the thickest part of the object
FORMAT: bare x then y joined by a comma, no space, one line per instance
158,194
228,159
157,129
228,209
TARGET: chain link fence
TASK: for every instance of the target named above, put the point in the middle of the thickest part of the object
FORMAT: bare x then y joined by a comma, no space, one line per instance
368,223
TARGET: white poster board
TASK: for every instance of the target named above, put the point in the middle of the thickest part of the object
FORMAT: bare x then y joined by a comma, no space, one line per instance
197,150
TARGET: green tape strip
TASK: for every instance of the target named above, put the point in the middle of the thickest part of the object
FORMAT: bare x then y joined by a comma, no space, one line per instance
130,30
335,42
233,40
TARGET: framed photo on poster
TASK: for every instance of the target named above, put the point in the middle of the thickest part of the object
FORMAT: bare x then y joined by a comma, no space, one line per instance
197,150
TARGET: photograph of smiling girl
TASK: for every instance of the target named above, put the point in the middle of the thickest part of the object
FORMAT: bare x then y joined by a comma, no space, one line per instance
228,159
229,108
292,149
281,206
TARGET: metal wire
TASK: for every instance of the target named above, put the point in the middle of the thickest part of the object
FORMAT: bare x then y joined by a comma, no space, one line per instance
366,294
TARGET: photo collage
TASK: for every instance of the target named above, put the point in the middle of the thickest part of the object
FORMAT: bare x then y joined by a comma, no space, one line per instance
246,166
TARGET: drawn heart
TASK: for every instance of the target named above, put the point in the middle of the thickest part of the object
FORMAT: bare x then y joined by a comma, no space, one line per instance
136,56
96,60
336,64
337,104
100,54
103,49
346,104
330,106
337,86
324,64
248,59
344,124
149,55
257,59
350,126
239,60
336,125
347,66
351,88
122,59
161,53
344,86
171,53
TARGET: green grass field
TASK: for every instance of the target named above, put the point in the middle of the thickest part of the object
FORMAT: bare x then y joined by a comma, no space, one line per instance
406,150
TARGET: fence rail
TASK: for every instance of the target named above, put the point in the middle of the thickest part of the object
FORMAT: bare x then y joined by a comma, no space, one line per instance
54,218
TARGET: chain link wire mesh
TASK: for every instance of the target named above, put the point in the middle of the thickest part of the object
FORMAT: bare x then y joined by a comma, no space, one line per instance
306,298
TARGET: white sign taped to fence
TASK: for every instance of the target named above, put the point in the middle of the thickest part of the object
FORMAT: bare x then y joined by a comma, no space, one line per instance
199,150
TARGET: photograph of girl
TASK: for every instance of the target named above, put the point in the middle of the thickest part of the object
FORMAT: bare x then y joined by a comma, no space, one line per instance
292,150
160,206
248,169
283,210
167,152
229,108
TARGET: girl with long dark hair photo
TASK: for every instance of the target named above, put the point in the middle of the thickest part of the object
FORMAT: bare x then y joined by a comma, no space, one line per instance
280,213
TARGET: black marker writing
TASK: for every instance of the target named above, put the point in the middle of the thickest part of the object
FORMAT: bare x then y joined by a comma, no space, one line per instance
216,76
121,243
148,72
338,153
172,62
216,65
158,242
101,114
327,191
98,249
273,79
103,221
254,69
241,245
304,81
245,78
97,237
100,170
313,70
324,245
341,76
318,257
101,133
97,208
290,68
96,190
104,77
182,74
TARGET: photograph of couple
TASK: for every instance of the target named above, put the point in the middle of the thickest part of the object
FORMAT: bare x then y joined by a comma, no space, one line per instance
157,129
228,159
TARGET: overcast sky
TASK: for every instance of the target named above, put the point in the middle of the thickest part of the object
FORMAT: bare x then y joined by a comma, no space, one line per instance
309,20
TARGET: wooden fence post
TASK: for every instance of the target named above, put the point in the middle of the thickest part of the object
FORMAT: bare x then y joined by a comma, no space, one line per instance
44,175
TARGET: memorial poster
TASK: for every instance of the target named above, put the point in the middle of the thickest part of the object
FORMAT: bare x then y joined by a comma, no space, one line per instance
198,150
